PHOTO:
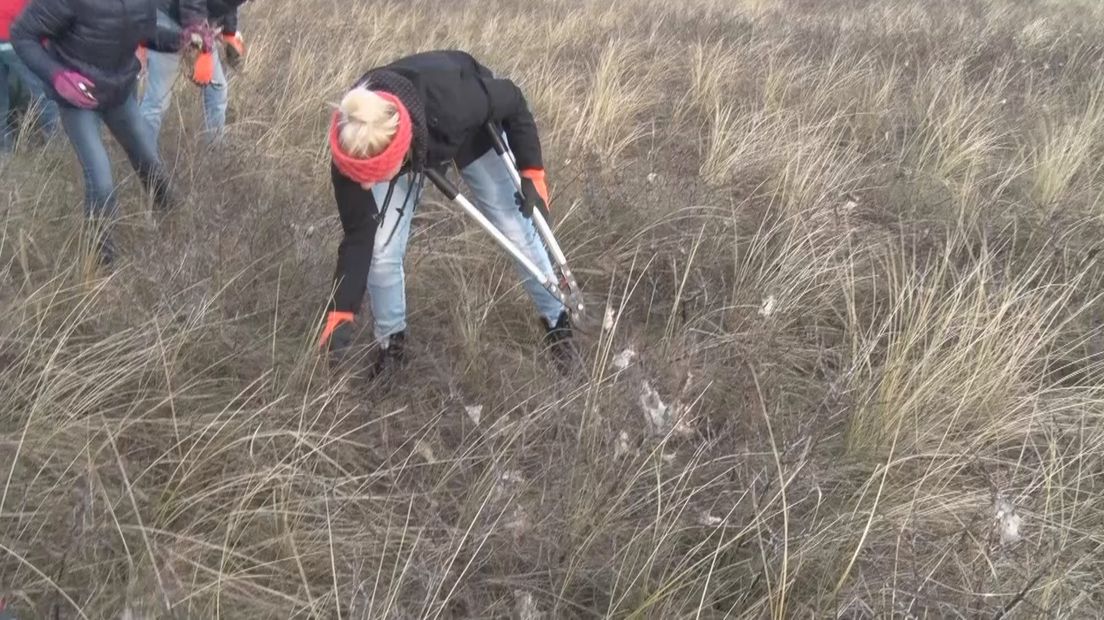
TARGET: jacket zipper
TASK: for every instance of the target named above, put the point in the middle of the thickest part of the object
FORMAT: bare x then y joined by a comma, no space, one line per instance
129,21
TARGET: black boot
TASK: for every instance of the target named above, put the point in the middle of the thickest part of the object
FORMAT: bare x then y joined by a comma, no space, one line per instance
560,342
391,357
163,201
106,251
101,240
157,184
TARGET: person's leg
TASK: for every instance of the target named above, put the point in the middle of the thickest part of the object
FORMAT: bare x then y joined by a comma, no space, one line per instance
83,130
161,73
215,97
386,279
100,205
495,195
127,125
5,107
46,108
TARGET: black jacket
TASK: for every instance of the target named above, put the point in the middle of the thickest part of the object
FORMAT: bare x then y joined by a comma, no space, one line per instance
188,12
457,96
97,38
185,12
224,13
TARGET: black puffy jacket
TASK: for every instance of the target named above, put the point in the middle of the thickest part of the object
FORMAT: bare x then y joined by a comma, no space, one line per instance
96,38
459,96
185,12
224,13
455,98
188,12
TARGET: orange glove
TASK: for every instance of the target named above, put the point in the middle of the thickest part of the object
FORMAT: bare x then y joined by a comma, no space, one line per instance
204,70
534,192
235,49
334,320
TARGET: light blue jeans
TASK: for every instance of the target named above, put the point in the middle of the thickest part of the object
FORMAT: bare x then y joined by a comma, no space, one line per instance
493,194
162,72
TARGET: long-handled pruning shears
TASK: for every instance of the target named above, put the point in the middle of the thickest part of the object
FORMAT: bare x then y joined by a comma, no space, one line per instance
567,290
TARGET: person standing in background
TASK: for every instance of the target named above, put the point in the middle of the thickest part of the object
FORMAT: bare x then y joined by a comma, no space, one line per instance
198,21
11,66
86,51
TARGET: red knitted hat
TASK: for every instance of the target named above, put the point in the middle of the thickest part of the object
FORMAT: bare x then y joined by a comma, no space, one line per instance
380,167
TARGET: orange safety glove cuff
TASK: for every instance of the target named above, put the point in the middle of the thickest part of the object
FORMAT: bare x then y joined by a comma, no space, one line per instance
204,70
234,40
333,321
536,175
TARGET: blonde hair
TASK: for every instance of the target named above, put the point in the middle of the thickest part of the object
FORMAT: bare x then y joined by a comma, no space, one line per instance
369,123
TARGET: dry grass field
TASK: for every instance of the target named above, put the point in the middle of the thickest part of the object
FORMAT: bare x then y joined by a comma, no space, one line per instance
842,258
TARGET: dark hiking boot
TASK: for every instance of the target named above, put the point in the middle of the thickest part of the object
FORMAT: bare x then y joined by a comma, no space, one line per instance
159,188
102,240
164,204
106,253
559,341
392,357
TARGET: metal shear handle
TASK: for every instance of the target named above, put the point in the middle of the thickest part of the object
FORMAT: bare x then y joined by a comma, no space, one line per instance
575,307
453,194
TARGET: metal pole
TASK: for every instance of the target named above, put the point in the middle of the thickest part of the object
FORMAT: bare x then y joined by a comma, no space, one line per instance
505,154
450,192
538,218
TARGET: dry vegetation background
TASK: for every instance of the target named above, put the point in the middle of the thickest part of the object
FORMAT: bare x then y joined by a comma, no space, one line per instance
853,245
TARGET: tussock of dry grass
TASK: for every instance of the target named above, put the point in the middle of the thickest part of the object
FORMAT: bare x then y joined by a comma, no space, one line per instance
853,245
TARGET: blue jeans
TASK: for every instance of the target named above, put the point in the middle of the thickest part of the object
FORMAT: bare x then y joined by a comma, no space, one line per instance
47,110
162,72
494,194
126,124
